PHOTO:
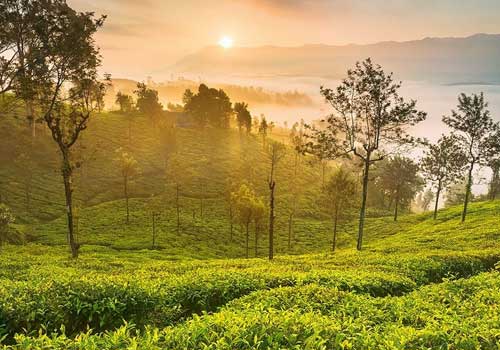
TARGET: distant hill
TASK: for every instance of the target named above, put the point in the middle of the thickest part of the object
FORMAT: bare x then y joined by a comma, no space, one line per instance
443,60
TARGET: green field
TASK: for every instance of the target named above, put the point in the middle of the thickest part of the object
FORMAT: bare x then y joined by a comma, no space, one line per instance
418,284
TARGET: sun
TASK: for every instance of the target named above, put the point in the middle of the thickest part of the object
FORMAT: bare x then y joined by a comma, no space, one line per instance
226,42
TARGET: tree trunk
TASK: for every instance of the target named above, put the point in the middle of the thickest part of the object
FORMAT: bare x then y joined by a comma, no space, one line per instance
125,192
256,240
177,207
396,206
335,220
362,211
231,220
247,238
67,172
467,191
154,230
436,205
272,185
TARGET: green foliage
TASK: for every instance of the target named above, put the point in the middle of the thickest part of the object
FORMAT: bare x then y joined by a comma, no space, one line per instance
147,101
209,107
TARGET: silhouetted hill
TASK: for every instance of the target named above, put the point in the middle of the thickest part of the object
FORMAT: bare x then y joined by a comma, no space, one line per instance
445,60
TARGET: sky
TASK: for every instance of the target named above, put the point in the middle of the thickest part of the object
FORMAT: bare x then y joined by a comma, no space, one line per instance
141,37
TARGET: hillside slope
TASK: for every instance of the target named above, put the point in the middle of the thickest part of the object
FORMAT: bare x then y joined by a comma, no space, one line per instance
418,284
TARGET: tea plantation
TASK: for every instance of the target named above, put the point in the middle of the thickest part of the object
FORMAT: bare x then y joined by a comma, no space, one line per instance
419,284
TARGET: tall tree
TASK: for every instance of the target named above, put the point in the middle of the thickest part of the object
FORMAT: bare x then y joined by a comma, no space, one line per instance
147,102
68,90
129,168
339,194
369,119
400,180
243,116
125,102
259,211
473,122
208,107
263,128
494,186
275,151
443,164
6,218
245,202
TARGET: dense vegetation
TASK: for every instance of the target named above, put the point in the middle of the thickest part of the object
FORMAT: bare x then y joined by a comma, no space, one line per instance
158,208
385,297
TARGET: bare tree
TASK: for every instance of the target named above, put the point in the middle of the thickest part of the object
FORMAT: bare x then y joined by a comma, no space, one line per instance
275,151
129,169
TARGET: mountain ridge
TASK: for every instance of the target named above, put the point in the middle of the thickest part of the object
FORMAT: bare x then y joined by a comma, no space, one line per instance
445,60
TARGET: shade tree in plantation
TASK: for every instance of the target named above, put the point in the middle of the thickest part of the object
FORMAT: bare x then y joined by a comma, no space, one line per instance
474,125
68,90
125,102
455,194
339,196
400,180
443,164
369,120
129,169
229,188
259,215
243,117
276,151
208,107
147,102
494,185
424,199
248,207
263,129
176,175
6,218
21,52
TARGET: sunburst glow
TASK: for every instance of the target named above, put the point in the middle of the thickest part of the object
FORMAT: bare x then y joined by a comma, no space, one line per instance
226,42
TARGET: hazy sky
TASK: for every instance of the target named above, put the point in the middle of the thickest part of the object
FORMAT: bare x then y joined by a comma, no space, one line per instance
142,37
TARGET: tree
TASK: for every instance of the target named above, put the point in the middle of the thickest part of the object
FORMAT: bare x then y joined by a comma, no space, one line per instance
275,152
424,199
243,116
229,189
443,164
6,218
129,169
21,47
68,90
209,107
245,202
176,173
263,127
259,211
369,116
125,102
297,140
474,124
148,102
339,194
494,186
455,193
400,180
